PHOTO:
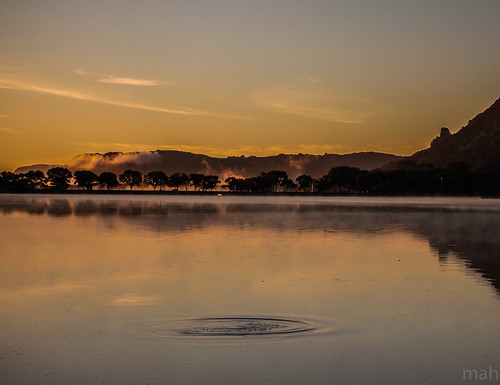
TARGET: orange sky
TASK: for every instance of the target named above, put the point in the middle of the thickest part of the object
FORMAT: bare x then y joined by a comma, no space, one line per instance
231,78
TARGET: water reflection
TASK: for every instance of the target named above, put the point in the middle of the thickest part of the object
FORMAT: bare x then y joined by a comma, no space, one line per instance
467,231
96,290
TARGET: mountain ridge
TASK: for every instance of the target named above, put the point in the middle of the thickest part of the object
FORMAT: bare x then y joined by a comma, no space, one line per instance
171,161
477,144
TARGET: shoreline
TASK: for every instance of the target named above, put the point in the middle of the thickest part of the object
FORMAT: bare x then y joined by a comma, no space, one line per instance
234,193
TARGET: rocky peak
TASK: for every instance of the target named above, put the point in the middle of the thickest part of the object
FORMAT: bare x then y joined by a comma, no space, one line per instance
445,133
476,144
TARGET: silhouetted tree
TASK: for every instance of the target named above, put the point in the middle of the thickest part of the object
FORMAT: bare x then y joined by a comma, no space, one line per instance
184,181
266,182
288,185
5,180
253,184
305,182
10,182
175,181
260,184
22,182
131,178
108,179
235,184
210,182
367,181
196,180
274,179
321,184
344,177
86,179
156,179
413,178
7,177
34,178
248,184
59,178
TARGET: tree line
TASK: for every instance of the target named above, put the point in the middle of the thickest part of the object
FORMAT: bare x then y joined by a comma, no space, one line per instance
60,178
406,178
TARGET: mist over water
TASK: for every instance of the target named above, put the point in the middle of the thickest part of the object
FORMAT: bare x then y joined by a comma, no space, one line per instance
247,290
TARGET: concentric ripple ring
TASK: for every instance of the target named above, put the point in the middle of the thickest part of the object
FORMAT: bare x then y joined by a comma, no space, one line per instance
233,326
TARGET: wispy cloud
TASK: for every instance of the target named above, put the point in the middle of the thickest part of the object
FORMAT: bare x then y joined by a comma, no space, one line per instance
82,72
314,105
24,86
132,81
8,130
129,81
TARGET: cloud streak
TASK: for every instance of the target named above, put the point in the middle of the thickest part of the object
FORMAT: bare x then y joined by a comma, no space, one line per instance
110,79
82,72
132,81
311,105
24,86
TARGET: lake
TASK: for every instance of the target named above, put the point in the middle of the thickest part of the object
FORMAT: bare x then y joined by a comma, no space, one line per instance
108,289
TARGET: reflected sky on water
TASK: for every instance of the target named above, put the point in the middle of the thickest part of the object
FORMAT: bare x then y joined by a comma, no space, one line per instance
407,289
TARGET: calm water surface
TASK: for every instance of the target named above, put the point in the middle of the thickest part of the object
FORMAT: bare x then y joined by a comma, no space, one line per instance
248,290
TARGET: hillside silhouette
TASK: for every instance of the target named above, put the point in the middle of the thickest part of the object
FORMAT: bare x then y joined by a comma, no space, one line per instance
473,148
171,161
477,144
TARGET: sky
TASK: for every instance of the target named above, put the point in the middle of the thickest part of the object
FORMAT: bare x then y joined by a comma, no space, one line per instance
240,77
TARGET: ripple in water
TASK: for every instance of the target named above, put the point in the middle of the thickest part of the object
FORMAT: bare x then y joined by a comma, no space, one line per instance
233,327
